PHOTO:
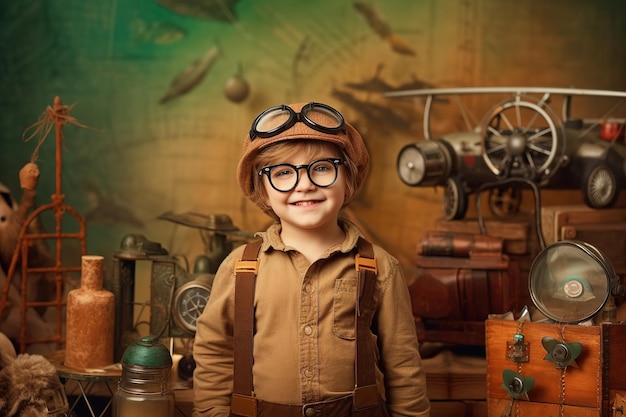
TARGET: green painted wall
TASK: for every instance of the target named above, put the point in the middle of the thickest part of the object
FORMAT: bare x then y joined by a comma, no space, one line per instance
115,60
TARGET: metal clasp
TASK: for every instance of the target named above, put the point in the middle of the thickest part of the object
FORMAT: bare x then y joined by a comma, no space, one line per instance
518,350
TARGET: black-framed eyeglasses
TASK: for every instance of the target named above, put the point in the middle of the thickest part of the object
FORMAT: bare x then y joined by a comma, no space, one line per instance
277,119
284,177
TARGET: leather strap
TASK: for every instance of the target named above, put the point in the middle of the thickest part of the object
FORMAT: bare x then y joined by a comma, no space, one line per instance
366,391
243,402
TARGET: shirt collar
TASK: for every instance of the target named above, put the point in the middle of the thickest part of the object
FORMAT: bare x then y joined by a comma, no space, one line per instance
271,238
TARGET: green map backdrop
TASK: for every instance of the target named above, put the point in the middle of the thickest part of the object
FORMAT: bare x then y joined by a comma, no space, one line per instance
154,144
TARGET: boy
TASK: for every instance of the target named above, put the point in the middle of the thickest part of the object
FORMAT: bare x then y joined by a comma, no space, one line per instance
301,164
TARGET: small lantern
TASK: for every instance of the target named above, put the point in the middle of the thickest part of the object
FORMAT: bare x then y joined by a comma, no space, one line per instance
144,388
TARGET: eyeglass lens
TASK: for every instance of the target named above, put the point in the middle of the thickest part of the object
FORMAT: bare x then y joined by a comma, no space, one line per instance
285,177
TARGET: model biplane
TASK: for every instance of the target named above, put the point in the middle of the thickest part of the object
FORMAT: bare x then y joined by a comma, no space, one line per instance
520,139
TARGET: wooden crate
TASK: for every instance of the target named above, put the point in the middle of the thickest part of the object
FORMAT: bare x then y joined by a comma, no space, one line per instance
583,391
605,229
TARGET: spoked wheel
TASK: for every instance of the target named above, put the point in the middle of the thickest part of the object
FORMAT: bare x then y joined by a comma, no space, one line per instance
522,138
505,201
600,187
454,199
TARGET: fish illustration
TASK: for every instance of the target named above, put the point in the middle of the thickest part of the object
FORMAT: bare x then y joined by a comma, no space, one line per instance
400,45
192,76
374,19
159,33
379,26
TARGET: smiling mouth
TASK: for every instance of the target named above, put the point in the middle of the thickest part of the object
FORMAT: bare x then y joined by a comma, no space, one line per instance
306,203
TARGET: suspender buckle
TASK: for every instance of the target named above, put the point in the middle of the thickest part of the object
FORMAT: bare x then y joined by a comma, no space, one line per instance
365,264
247,266
243,405
365,397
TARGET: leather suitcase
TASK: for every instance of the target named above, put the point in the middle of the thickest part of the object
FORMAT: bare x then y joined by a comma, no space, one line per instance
604,229
459,280
461,277
584,389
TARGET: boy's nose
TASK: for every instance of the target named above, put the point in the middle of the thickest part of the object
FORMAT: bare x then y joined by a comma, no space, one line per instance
304,182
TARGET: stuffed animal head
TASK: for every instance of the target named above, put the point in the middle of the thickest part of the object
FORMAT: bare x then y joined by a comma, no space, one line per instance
7,203
30,387
10,226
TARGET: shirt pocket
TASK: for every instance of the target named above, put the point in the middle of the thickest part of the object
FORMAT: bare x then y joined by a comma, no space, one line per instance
343,308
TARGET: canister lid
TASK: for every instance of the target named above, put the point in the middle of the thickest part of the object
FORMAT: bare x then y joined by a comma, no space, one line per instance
147,352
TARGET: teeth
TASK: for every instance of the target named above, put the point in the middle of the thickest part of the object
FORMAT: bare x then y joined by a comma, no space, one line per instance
305,203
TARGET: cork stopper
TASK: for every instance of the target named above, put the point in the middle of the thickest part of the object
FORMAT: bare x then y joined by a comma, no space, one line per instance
91,274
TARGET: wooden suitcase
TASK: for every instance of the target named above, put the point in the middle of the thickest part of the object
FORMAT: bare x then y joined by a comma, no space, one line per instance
585,390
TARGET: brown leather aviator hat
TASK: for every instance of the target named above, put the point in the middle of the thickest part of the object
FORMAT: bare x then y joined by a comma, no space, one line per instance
301,121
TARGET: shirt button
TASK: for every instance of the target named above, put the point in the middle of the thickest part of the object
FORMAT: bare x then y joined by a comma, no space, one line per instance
308,288
308,330
308,373
309,412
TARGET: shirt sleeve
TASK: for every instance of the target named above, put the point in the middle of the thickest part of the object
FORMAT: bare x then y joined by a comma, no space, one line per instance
213,346
404,375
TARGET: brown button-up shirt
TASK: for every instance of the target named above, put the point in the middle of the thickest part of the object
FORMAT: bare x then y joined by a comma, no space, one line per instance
304,340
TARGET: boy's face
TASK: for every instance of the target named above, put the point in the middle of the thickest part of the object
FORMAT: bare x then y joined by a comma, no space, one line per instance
307,206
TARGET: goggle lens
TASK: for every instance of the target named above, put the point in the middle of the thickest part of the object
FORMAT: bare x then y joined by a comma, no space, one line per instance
322,116
275,120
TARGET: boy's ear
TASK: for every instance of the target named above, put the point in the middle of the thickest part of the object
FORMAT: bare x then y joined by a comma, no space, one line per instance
348,194
263,194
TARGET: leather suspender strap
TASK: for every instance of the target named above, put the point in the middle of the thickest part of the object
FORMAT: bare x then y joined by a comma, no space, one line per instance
243,402
366,391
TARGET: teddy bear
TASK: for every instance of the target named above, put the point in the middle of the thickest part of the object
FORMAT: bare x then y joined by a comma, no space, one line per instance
40,286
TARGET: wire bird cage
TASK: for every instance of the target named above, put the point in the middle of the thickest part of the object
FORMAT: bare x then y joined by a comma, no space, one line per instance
56,116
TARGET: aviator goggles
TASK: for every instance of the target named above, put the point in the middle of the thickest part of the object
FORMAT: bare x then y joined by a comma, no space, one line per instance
277,119
284,177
